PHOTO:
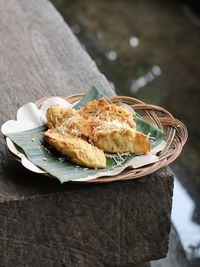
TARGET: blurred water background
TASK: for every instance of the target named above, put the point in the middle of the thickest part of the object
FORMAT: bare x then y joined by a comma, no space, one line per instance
151,50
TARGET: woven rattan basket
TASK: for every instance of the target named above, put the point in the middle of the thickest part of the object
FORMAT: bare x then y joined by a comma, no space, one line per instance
175,130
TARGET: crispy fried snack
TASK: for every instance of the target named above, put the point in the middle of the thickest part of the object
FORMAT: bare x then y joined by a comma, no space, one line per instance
79,126
57,114
84,134
104,111
84,122
67,120
122,140
78,150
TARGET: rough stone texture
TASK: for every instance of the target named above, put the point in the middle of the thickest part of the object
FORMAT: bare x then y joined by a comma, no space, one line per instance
89,225
43,223
176,254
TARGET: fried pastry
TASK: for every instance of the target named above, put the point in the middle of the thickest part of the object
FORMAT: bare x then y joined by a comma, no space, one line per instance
76,149
119,138
79,126
103,110
57,114
85,121
85,134
69,121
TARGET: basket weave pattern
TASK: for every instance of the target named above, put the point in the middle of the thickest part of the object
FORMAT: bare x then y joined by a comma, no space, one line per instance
175,131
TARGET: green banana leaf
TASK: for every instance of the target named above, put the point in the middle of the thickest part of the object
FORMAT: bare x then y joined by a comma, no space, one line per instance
42,155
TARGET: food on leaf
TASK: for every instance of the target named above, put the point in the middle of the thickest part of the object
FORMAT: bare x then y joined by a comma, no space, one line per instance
121,139
105,111
85,134
78,150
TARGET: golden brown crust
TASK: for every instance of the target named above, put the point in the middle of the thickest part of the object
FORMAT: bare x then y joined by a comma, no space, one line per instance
105,111
122,140
57,114
83,135
78,150
85,121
